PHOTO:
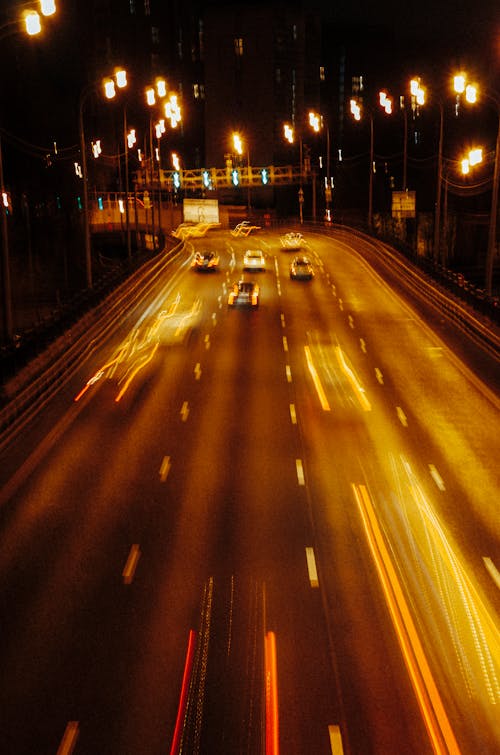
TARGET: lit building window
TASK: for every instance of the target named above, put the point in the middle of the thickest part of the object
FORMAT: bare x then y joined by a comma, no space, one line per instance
238,46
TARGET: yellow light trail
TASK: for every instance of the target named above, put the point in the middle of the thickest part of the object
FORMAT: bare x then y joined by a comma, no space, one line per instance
317,382
349,373
429,699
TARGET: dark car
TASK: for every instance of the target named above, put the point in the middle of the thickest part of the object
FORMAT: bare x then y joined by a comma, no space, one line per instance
244,294
207,261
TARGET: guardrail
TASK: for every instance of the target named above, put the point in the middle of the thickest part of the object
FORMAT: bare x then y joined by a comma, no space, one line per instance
41,380
29,391
478,319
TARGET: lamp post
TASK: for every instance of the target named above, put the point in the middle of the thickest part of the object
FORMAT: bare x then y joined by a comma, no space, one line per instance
317,122
238,148
356,111
32,26
289,134
86,221
492,232
120,79
460,87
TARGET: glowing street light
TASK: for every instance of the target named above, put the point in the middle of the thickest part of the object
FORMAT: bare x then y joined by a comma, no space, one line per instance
237,144
474,157
288,132
33,23
173,111
131,138
314,121
48,7
461,86
355,110
385,102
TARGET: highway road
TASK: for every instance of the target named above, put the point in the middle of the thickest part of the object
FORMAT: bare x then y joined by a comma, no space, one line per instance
256,530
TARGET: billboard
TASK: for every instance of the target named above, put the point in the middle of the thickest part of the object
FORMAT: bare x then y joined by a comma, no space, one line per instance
201,210
403,204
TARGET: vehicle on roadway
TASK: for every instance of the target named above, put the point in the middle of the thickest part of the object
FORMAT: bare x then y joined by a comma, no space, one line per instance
206,260
254,259
244,294
301,269
292,241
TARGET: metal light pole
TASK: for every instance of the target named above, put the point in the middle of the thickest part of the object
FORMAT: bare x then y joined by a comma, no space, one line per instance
6,287
10,28
439,178
492,233
86,222
127,216
370,181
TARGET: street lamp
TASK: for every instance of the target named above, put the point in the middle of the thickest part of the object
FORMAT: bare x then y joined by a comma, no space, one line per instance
120,79
32,26
460,87
356,109
316,122
289,134
239,149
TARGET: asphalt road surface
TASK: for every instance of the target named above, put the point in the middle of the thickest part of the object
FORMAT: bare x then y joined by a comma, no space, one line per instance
256,530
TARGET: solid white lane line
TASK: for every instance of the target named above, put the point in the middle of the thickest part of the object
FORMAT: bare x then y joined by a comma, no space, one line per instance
300,472
293,414
165,468
311,567
131,564
492,569
335,740
288,373
68,741
436,477
402,416
185,411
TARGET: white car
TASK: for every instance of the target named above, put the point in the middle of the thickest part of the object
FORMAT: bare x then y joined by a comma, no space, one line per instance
254,260
292,241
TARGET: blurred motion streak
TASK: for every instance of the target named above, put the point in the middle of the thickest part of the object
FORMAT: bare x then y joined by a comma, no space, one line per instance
473,631
431,705
317,382
179,723
141,344
357,387
69,739
272,728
